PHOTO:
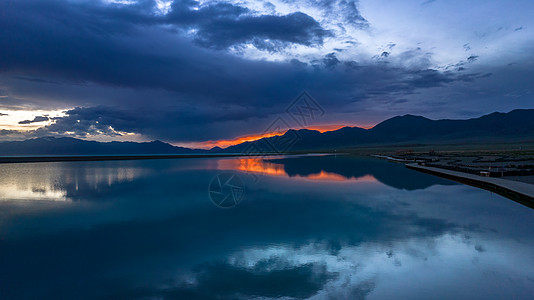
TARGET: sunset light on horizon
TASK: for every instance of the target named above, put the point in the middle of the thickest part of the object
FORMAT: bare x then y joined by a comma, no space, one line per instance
254,137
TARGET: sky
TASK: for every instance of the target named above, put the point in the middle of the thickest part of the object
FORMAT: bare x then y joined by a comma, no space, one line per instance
205,73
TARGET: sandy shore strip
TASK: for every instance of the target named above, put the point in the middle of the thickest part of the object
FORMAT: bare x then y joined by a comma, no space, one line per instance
518,191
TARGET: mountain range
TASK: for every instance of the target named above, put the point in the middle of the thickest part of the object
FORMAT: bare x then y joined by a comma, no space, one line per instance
517,125
71,146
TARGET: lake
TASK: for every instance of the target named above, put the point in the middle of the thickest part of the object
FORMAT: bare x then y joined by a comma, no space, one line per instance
296,227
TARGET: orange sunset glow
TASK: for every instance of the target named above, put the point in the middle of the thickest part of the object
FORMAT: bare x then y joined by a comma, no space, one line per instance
255,137
239,140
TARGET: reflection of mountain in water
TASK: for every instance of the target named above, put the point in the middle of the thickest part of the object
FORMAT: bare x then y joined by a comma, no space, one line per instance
394,175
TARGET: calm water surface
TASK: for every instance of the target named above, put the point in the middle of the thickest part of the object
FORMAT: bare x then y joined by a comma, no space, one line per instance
307,227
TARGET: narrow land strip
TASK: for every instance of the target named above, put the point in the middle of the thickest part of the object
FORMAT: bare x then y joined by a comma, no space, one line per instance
34,159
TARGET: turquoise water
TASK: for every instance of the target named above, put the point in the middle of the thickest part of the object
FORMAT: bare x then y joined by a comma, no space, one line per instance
303,227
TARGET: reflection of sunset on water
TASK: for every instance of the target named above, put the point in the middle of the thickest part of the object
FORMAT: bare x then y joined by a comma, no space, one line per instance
261,166
327,176
253,165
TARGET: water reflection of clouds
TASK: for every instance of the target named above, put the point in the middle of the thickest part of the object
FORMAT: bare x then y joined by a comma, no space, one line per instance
9,191
61,181
404,269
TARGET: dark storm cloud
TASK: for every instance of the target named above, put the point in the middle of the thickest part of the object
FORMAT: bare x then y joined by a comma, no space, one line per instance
112,51
223,25
128,69
428,78
115,46
472,58
188,13
92,122
264,32
218,25
330,61
167,122
339,83
37,119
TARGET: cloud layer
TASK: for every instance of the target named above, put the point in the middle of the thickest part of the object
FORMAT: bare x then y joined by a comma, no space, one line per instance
195,72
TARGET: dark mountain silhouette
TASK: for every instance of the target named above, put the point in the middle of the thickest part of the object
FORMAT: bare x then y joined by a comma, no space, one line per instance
72,146
517,125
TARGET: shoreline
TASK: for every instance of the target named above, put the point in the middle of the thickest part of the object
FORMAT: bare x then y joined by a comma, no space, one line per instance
520,192
109,157
37,159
